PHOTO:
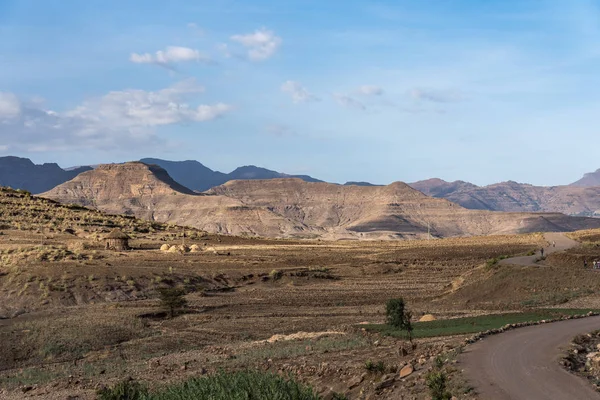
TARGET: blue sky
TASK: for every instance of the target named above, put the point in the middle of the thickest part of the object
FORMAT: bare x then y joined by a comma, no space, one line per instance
341,90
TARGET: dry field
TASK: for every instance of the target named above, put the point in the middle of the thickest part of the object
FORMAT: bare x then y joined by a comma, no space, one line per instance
75,317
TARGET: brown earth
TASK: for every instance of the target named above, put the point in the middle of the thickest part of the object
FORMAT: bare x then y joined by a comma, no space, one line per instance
294,208
77,316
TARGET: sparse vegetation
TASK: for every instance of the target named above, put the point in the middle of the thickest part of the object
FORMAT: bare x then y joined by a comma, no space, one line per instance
222,386
172,299
436,382
459,326
373,366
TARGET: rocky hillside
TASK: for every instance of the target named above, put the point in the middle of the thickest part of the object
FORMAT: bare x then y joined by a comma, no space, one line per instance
394,210
516,197
22,173
292,207
148,192
589,180
198,177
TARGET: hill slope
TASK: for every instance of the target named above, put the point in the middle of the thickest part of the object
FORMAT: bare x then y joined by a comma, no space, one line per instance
590,179
516,197
292,207
198,177
148,192
393,209
22,173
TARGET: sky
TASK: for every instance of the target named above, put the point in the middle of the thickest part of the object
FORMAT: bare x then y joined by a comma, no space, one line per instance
378,91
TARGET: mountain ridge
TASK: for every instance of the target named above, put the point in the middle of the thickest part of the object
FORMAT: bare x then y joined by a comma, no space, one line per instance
292,207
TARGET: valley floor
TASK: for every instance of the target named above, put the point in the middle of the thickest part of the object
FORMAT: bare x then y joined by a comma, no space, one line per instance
78,317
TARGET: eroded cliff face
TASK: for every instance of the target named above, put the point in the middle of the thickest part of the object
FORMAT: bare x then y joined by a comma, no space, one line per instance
293,208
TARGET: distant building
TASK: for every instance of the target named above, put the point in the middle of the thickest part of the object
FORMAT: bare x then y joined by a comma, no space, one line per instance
117,241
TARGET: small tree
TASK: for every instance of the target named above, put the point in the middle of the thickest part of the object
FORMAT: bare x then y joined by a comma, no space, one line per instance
436,382
172,299
398,316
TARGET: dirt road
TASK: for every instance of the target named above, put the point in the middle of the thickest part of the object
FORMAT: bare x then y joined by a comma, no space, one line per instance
523,363
562,243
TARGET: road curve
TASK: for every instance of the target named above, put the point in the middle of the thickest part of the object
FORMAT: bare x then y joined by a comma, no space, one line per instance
560,241
524,363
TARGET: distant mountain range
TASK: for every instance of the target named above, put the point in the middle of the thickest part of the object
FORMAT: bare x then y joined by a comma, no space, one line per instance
22,173
516,197
198,177
292,207
579,198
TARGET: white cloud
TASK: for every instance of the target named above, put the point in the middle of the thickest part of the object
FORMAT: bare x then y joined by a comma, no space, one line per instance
298,92
10,105
261,45
437,96
349,102
115,120
173,54
370,90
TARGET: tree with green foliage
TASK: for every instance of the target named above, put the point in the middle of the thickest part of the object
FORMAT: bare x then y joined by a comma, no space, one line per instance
172,299
398,316
436,382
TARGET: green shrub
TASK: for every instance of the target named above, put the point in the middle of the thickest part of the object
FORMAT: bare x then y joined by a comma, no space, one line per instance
375,366
125,390
172,299
436,382
398,317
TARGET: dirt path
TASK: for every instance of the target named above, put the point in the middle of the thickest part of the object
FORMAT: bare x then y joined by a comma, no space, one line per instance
562,243
523,363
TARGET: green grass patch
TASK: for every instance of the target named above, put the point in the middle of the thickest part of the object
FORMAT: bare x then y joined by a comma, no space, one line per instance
466,325
222,386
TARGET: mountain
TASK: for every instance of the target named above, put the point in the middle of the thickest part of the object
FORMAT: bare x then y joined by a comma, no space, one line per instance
516,197
438,188
198,177
148,192
190,173
588,180
22,173
291,207
352,183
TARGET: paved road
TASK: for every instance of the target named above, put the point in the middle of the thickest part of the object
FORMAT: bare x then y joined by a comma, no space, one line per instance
523,363
562,243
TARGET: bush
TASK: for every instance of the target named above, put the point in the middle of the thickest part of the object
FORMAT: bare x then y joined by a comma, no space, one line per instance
172,299
125,390
375,366
436,382
398,317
